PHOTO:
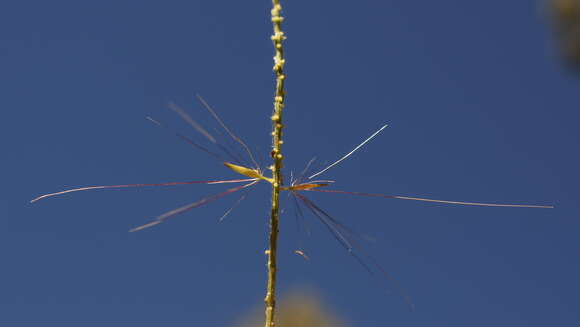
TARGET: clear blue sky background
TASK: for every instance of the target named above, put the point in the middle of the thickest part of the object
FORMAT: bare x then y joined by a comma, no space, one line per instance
479,108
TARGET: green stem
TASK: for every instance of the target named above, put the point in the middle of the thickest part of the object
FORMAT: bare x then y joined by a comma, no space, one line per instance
276,153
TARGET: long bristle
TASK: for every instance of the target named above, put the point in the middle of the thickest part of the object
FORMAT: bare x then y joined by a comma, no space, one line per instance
87,188
186,139
348,239
350,153
196,204
223,125
481,204
191,122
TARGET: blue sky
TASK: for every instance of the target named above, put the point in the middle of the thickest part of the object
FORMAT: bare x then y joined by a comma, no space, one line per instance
479,108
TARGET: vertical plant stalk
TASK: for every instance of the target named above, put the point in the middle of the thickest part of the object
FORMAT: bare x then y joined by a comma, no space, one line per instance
277,157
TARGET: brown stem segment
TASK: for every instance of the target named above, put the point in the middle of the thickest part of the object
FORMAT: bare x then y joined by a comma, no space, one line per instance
277,157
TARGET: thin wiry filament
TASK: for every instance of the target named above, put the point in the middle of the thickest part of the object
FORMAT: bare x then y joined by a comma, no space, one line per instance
237,139
199,128
300,177
350,153
435,200
87,188
345,237
349,240
190,206
191,122
232,207
186,139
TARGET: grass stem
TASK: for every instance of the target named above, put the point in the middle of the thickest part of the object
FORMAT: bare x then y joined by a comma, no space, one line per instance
277,38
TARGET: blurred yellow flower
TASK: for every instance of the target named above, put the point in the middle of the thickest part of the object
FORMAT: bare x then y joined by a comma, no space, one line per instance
300,309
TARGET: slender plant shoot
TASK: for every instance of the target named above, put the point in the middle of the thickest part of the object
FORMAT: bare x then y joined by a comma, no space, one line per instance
237,162
277,181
